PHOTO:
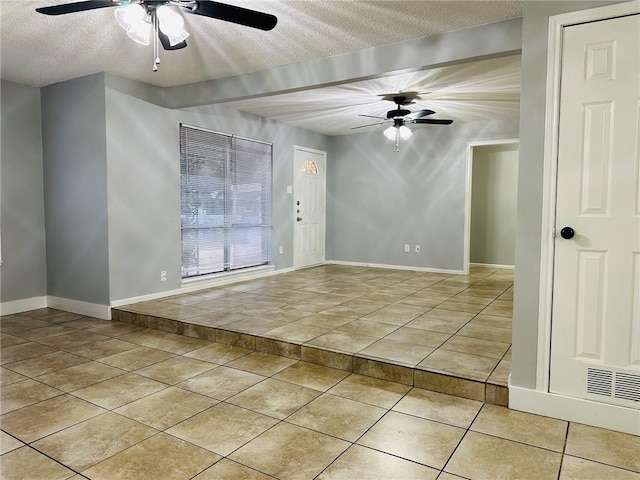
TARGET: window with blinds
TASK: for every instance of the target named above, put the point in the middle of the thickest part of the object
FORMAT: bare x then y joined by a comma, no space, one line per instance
225,182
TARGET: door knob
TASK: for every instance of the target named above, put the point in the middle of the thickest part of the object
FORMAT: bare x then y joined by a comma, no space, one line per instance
567,233
299,219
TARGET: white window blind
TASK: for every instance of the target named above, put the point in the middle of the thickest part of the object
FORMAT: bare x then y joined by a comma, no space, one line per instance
226,202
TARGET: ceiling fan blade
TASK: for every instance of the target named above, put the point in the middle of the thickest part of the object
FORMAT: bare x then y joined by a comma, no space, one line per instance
369,125
433,121
420,113
77,7
164,40
371,116
233,14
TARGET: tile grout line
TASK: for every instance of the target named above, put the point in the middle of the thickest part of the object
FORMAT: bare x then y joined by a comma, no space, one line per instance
467,430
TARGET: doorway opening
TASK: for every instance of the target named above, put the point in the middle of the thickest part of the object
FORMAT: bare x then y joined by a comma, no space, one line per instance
490,204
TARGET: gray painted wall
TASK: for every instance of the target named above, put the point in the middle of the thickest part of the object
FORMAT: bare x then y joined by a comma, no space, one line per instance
530,180
379,199
144,186
75,189
22,202
143,183
493,204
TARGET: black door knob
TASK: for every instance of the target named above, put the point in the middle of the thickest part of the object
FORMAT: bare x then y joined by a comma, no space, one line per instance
299,219
567,233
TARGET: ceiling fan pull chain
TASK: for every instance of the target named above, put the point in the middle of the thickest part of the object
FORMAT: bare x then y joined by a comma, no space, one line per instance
156,40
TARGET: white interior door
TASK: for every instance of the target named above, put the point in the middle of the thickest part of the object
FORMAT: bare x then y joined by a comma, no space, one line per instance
596,295
309,206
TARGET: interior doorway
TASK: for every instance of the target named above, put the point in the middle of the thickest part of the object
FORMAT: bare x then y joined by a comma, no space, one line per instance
490,203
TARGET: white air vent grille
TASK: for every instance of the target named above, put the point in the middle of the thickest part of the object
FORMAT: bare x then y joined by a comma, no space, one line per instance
599,382
627,387
622,388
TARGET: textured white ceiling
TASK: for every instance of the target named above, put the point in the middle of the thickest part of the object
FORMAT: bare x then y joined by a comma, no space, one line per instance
40,50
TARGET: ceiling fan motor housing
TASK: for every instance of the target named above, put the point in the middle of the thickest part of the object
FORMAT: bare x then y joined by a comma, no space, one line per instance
398,112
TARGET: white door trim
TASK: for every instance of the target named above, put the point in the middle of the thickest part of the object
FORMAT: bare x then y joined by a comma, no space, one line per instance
467,196
293,201
540,400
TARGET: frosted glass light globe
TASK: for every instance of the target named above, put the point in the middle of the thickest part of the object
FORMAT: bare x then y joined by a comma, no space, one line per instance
171,24
390,133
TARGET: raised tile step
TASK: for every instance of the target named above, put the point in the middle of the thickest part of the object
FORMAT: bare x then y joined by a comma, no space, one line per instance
490,391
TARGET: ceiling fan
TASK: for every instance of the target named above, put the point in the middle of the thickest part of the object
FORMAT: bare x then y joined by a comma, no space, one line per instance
140,17
399,117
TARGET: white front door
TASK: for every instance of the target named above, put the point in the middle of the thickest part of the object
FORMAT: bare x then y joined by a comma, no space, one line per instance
595,335
309,206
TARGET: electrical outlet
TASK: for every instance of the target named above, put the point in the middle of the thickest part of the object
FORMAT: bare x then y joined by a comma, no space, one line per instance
417,248
407,248
163,276
280,249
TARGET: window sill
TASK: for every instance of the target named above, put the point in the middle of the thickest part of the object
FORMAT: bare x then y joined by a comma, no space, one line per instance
223,278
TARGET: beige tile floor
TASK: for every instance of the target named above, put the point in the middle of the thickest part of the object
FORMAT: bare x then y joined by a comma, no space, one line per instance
452,325
85,398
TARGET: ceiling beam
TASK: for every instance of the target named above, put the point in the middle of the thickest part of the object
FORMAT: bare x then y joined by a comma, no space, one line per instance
461,46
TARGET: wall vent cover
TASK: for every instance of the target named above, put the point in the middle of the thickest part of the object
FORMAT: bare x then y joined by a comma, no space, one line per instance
599,382
611,386
627,387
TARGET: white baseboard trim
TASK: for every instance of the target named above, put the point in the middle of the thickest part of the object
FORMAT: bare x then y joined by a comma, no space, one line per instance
83,308
285,270
493,265
603,415
22,305
195,285
395,267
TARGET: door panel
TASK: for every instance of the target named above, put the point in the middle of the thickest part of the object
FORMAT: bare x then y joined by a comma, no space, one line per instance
595,313
635,332
636,210
592,274
596,159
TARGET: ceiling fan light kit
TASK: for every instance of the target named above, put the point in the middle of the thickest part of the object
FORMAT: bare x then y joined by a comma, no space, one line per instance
139,17
393,132
138,21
